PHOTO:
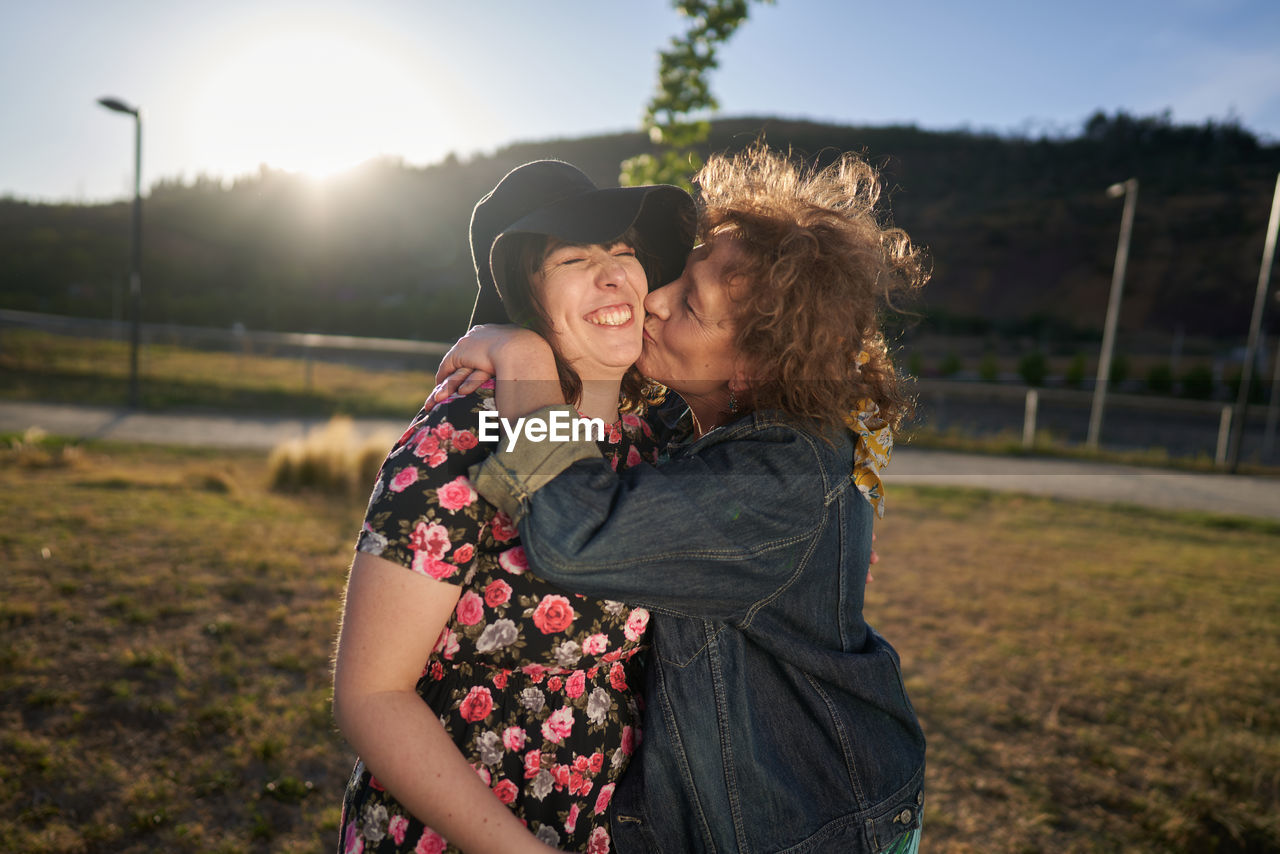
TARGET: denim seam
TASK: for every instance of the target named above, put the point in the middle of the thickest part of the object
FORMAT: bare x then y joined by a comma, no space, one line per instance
726,748
845,747
801,566
683,758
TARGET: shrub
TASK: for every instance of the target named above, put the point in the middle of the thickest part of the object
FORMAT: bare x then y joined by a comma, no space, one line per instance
1033,367
989,368
330,458
1075,371
1197,382
1119,368
1160,379
951,365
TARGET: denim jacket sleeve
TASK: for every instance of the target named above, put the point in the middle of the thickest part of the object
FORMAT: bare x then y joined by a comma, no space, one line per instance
715,532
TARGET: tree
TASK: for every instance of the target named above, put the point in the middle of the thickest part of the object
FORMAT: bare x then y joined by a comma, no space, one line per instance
684,90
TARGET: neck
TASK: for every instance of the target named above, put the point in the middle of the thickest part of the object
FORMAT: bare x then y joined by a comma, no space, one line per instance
600,399
709,412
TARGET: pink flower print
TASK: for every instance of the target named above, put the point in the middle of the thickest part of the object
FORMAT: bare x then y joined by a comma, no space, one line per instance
497,592
595,644
602,799
532,764
514,561
426,445
629,742
446,644
513,738
396,828
556,728
554,683
636,622
352,841
444,430
535,672
432,540
456,494
433,843
596,762
502,528
470,609
476,705
506,791
463,553
618,678
553,614
571,823
633,456
427,565
465,440
576,685
404,478
599,842
560,774
615,435
483,773
632,421
437,458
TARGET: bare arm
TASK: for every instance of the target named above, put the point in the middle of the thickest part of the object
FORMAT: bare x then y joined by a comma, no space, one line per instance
520,359
391,620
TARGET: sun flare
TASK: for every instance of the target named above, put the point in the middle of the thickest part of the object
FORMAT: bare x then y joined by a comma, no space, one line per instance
316,101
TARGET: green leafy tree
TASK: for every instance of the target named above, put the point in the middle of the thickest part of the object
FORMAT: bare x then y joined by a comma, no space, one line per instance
684,91
1033,367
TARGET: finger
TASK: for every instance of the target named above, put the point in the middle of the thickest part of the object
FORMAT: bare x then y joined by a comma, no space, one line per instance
474,381
875,558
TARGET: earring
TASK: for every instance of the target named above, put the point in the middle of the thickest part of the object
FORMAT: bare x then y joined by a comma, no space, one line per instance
733,402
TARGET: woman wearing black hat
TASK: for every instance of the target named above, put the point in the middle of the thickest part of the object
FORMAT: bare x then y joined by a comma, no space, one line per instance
481,699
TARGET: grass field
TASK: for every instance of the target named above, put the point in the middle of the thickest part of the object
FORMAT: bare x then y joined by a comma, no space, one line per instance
1090,679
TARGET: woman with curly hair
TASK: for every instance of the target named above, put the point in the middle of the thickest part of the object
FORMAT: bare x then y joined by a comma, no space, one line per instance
776,717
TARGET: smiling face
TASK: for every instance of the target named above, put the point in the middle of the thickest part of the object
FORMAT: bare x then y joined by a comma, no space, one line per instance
689,332
592,297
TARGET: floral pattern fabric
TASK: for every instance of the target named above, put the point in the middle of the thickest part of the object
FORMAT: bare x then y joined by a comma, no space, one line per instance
538,687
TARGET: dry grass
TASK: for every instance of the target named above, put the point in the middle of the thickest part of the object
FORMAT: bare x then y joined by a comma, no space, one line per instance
331,458
1089,679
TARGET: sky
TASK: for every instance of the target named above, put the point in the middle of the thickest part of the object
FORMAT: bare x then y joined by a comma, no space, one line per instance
320,86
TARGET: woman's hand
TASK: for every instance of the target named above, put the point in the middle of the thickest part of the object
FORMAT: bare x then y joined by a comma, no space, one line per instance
482,354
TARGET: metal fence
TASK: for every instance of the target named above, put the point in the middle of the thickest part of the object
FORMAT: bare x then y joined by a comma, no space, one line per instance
1183,428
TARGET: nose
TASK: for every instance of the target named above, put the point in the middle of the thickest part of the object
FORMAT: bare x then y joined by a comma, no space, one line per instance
610,271
658,302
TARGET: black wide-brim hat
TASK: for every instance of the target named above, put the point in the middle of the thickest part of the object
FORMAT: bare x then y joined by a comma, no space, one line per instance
554,198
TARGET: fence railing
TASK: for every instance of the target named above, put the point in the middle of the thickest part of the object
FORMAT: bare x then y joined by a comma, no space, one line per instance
1182,427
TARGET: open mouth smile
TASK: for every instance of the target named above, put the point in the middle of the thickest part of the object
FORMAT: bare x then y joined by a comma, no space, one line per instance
610,315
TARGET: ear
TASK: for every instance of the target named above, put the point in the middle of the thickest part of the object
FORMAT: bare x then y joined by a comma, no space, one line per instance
740,381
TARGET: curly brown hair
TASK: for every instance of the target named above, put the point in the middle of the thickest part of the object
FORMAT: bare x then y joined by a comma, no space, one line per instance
818,263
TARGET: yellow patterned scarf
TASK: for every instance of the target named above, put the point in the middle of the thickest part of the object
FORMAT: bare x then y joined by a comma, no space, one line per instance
875,444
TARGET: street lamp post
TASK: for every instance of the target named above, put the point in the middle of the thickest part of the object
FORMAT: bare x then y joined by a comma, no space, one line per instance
1128,189
135,274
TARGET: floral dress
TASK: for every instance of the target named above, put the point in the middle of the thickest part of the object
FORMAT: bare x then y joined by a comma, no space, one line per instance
534,684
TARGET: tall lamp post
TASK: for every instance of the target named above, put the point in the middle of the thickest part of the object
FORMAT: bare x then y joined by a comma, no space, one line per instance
135,274
1128,189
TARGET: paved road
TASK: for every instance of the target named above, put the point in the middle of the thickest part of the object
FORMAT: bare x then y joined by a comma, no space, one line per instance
1231,494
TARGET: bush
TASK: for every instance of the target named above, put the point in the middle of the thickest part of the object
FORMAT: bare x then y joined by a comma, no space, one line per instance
1119,368
331,458
951,365
1160,379
1033,367
1257,387
1197,382
915,365
1075,371
989,368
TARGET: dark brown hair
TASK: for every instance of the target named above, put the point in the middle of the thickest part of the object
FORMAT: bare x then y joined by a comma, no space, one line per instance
818,263
522,256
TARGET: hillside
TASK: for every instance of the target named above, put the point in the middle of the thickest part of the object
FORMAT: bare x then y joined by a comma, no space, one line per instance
1021,232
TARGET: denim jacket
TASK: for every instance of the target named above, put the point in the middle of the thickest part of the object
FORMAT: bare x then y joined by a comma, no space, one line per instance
776,718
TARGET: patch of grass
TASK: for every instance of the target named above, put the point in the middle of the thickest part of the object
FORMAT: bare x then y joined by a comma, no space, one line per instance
1090,678
41,366
330,458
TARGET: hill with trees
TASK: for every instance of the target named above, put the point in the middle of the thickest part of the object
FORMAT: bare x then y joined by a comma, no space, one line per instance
1020,229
